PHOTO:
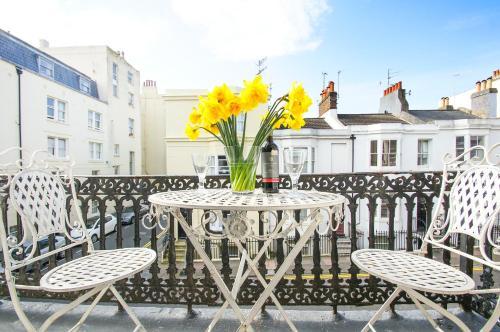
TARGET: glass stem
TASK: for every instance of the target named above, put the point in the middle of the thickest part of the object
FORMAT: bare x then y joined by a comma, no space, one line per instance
201,182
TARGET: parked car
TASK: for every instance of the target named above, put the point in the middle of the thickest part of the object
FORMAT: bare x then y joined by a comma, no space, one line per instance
95,229
128,214
43,246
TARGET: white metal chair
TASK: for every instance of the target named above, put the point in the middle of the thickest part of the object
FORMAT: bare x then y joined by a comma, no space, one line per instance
474,204
37,193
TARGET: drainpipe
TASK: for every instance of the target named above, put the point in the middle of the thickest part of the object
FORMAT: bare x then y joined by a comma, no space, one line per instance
19,72
352,138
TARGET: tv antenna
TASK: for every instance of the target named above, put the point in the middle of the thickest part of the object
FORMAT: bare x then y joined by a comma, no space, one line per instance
338,85
390,75
260,65
324,74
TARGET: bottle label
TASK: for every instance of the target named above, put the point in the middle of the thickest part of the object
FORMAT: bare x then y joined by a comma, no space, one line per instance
270,167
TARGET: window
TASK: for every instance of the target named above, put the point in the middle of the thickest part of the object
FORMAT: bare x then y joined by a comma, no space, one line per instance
313,159
373,153
131,127
384,208
85,85
116,150
57,146
240,123
459,146
116,169
217,165
95,151
61,111
131,162
95,120
45,67
222,165
115,79
50,108
476,141
389,148
423,152
95,207
95,172
56,109
131,99
130,78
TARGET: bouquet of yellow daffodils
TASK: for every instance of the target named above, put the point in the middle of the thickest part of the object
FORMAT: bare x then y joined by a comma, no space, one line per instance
217,113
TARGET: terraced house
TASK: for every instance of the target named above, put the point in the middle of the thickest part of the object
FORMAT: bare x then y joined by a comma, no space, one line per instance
72,101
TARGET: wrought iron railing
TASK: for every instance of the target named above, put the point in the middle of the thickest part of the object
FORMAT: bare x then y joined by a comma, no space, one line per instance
332,280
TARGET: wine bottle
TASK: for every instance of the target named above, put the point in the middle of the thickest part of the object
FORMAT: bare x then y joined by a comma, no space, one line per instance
270,166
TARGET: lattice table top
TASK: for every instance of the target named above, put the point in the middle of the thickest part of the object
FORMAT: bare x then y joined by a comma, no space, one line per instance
222,199
98,268
413,271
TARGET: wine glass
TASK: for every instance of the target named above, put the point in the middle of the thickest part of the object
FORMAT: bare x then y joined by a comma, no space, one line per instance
295,159
200,164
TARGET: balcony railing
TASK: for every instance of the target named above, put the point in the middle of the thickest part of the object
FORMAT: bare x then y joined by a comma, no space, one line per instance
323,273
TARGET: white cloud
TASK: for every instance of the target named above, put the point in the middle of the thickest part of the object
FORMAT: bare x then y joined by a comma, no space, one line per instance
251,29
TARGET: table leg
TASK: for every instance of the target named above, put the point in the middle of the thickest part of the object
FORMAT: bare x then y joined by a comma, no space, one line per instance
234,292
262,280
209,264
281,272
261,252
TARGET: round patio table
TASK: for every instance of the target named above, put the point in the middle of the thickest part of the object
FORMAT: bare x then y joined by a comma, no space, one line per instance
279,214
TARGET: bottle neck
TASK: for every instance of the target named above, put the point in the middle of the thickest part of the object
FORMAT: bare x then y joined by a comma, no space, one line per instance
270,138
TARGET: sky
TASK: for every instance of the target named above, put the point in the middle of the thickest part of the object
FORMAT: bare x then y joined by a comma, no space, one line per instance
436,48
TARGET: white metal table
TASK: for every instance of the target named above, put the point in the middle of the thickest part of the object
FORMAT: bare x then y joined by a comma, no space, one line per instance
324,213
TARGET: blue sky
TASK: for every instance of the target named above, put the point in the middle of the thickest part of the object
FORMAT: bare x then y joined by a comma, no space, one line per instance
436,47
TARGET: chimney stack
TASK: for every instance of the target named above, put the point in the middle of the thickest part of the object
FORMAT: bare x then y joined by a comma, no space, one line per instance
444,104
150,83
328,99
394,99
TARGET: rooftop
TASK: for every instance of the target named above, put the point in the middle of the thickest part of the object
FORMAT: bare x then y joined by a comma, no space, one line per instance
316,123
368,119
433,115
28,57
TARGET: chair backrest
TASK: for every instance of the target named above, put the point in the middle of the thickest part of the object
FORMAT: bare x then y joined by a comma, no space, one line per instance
473,204
38,194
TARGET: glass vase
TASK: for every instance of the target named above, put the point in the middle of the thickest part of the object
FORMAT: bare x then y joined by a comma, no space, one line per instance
242,168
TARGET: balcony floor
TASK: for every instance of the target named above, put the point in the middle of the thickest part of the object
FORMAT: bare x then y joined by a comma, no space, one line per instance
175,318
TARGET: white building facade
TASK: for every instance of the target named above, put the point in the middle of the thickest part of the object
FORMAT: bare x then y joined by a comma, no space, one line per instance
394,140
62,106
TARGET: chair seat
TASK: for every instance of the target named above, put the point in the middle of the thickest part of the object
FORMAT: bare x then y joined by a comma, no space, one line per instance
412,271
100,267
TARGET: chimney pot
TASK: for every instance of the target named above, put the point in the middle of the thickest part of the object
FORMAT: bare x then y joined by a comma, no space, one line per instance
331,86
488,83
478,86
483,84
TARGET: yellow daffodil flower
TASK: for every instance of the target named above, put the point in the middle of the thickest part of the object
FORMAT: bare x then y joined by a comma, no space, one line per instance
255,92
298,100
192,131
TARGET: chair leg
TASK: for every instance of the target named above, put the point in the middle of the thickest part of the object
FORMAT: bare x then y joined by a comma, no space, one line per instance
424,312
493,319
89,310
383,308
16,302
127,309
49,321
438,308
